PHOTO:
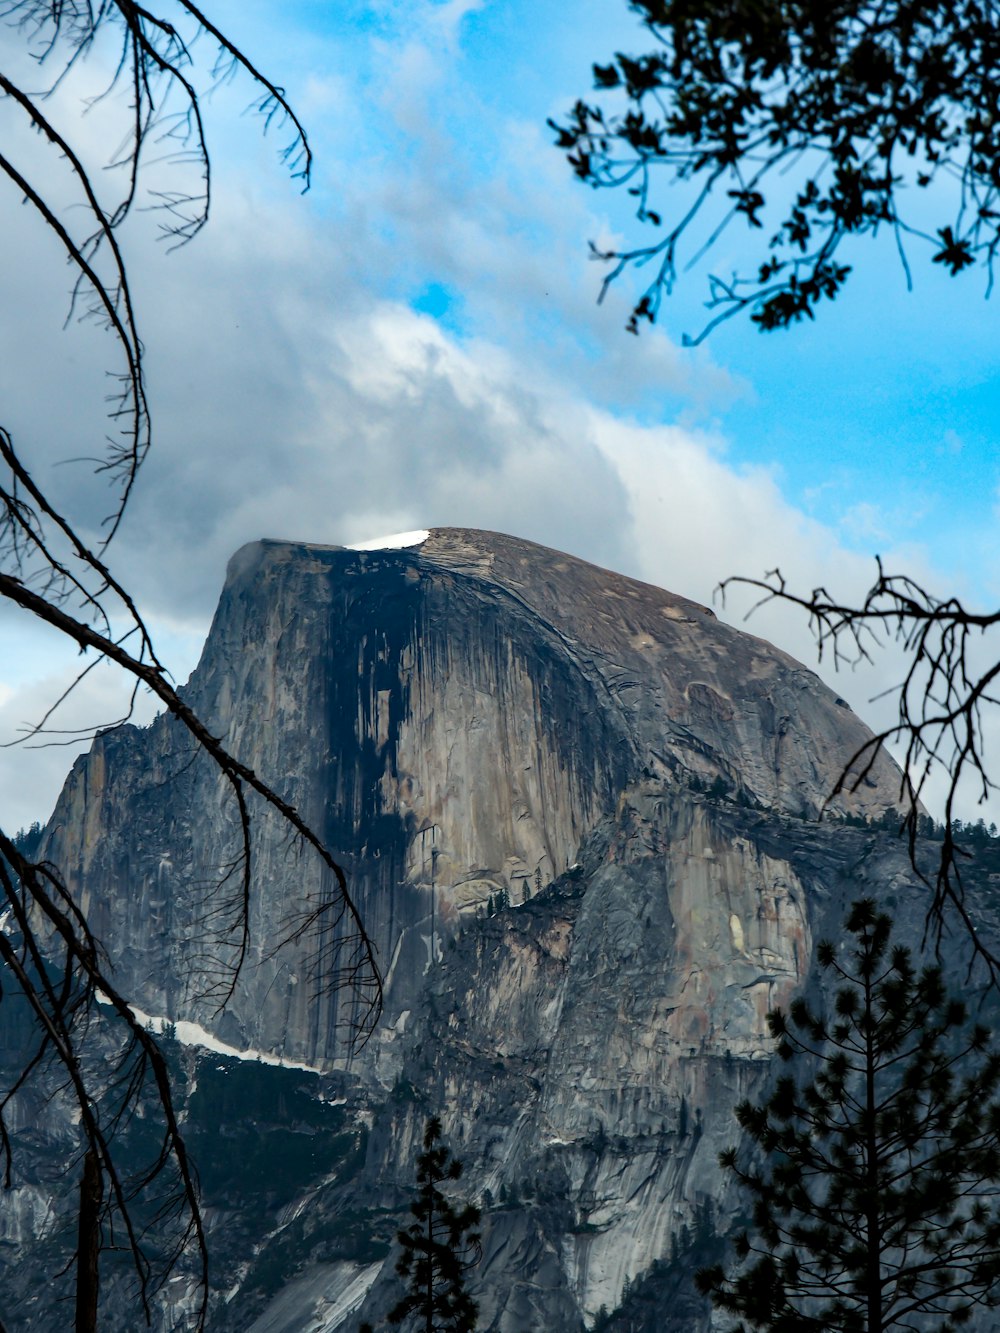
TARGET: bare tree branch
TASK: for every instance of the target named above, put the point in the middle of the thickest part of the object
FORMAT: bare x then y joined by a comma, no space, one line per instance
939,723
48,953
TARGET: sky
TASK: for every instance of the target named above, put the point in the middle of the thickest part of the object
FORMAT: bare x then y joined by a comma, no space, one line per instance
417,341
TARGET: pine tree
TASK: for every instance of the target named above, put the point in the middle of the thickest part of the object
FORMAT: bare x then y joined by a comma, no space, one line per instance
874,1174
438,1247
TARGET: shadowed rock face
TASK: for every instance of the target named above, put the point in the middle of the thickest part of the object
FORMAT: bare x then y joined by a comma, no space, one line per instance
452,718
478,717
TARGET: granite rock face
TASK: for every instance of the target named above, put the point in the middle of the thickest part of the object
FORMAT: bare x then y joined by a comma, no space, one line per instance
470,722
591,1045
452,718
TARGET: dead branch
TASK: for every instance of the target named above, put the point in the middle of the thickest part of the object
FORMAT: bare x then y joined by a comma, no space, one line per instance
939,723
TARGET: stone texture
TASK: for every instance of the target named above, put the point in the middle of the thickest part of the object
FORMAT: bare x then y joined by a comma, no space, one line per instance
452,718
475,717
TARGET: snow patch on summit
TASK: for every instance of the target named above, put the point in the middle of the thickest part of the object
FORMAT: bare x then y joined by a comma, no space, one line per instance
396,542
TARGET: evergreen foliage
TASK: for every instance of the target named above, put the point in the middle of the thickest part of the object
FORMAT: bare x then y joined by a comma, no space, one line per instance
811,123
27,841
874,1182
438,1247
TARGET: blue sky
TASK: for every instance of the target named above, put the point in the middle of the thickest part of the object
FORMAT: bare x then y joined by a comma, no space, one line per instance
880,420
417,341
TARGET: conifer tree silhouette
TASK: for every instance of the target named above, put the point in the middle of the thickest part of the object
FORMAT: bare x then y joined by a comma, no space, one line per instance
439,1246
875,1164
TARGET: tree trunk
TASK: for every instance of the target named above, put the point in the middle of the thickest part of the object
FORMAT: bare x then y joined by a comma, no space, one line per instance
430,1267
88,1244
873,1273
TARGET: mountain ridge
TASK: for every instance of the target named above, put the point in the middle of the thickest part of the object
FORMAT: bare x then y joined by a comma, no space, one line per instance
469,721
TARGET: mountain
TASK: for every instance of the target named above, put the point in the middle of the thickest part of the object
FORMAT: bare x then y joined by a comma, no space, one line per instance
580,818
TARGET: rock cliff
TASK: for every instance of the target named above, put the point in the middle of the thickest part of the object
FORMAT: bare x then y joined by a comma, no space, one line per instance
453,718
472,723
